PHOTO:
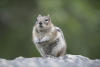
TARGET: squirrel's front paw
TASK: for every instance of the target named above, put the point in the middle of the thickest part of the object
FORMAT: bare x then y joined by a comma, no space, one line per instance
45,39
42,42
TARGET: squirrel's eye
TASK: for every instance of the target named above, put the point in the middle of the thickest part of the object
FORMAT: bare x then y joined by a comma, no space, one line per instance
46,20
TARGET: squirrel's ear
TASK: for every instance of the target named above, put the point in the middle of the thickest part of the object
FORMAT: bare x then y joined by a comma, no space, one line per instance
39,15
48,15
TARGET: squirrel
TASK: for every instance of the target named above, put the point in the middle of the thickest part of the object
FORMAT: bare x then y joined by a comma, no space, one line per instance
48,39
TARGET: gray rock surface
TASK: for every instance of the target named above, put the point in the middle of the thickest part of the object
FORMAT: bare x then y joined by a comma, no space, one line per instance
66,61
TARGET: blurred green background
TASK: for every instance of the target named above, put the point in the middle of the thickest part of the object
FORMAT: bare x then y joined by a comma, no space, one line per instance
79,20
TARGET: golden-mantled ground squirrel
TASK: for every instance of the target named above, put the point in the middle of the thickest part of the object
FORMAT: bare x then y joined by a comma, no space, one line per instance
48,38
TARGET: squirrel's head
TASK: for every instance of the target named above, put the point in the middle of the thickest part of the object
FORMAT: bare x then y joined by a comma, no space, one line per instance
43,22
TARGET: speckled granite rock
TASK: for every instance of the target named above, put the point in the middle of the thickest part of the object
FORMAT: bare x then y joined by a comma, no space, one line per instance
66,61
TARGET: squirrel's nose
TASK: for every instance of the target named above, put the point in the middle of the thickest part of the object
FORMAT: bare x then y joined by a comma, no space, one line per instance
40,23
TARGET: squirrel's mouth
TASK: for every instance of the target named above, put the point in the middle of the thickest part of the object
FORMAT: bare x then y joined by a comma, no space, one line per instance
40,26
